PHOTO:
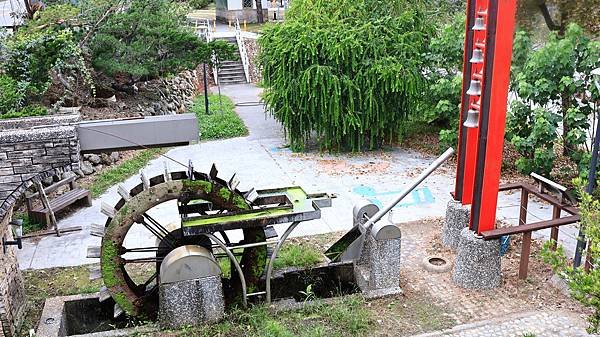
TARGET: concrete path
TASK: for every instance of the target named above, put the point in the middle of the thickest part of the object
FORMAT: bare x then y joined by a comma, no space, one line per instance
262,160
538,324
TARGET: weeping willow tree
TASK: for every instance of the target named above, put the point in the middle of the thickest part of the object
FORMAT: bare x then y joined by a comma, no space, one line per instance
344,71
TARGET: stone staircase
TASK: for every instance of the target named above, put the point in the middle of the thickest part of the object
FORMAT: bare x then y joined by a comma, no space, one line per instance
231,72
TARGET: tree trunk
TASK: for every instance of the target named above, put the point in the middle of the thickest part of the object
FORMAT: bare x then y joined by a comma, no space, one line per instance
259,12
28,9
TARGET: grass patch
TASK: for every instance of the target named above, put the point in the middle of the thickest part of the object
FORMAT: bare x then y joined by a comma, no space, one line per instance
46,283
300,255
222,122
116,174
342,317
29,225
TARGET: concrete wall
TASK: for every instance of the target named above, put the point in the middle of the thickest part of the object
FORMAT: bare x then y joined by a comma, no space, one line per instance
12,292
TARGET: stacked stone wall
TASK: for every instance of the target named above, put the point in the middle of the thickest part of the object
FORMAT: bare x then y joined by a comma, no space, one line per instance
35,147
252,49
12,292
29,148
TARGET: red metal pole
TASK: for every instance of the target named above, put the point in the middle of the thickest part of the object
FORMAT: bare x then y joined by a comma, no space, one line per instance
496,76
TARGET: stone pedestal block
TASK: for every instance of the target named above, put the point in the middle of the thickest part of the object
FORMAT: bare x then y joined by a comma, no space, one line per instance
378,269
457,218
191,302
477,263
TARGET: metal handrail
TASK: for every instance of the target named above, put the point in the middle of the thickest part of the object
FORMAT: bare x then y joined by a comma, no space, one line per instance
242,49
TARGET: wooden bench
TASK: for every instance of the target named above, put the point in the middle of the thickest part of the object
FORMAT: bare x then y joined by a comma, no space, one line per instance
42,214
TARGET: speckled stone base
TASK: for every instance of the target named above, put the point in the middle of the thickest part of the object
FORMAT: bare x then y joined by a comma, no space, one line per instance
190,303
477,263
378,271
457,218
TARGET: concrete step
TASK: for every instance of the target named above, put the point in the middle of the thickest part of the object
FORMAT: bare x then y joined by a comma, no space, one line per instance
238,66
231,71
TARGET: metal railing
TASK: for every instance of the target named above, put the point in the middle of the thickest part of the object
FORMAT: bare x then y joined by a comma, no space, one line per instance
242,49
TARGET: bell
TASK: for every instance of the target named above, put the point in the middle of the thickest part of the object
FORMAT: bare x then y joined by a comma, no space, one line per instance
477,56
479,24
472,119
474,88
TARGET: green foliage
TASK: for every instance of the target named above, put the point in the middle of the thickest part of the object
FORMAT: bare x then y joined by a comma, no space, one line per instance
584,285
443,101
199,4
11,96
116,174
533,133
558,77
559,74
149,40
222,121
350,77
52,17
447,47
449,138
297,255
28,111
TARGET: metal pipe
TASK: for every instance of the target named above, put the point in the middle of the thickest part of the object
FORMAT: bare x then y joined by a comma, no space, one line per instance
288,231
428,171
235,263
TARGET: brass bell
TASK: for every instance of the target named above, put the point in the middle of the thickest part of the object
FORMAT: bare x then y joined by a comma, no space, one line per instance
479,24
474,88
472,119
477,56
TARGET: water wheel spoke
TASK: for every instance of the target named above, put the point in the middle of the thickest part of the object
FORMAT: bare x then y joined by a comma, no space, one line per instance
162,237
142,260
160,228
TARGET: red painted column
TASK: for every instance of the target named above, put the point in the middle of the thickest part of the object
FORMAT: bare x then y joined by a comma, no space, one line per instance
500,27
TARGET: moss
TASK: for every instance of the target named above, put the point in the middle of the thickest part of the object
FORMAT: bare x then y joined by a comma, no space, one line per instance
109,266
197,185
110,255
225,193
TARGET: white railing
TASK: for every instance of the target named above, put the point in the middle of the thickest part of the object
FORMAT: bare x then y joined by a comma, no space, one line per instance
242,49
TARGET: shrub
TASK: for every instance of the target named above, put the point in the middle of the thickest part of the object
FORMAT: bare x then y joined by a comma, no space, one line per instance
583,284
11,96
149,40
199,4
533,133
350,77
31,58
28,111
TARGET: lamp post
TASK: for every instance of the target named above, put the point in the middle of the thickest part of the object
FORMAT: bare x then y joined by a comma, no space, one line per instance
591,175
17,226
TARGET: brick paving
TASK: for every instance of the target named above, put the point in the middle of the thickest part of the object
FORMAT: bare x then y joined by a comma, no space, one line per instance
538,324
515,309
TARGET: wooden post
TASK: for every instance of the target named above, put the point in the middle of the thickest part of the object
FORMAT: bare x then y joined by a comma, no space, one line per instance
523,209
525,250
554,231
46,203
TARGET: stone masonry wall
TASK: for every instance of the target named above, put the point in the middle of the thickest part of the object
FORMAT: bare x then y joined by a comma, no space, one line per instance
29,148
34,149
252,48
169,96
12,292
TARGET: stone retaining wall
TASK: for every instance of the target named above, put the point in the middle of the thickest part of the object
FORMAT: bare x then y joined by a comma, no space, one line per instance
172,95
12,292
33,147
252,49
29,148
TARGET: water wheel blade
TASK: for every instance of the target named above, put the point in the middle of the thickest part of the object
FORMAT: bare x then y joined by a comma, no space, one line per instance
124,193
108,210
118,311
144,180
97,230
95,273
93,252
104,294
